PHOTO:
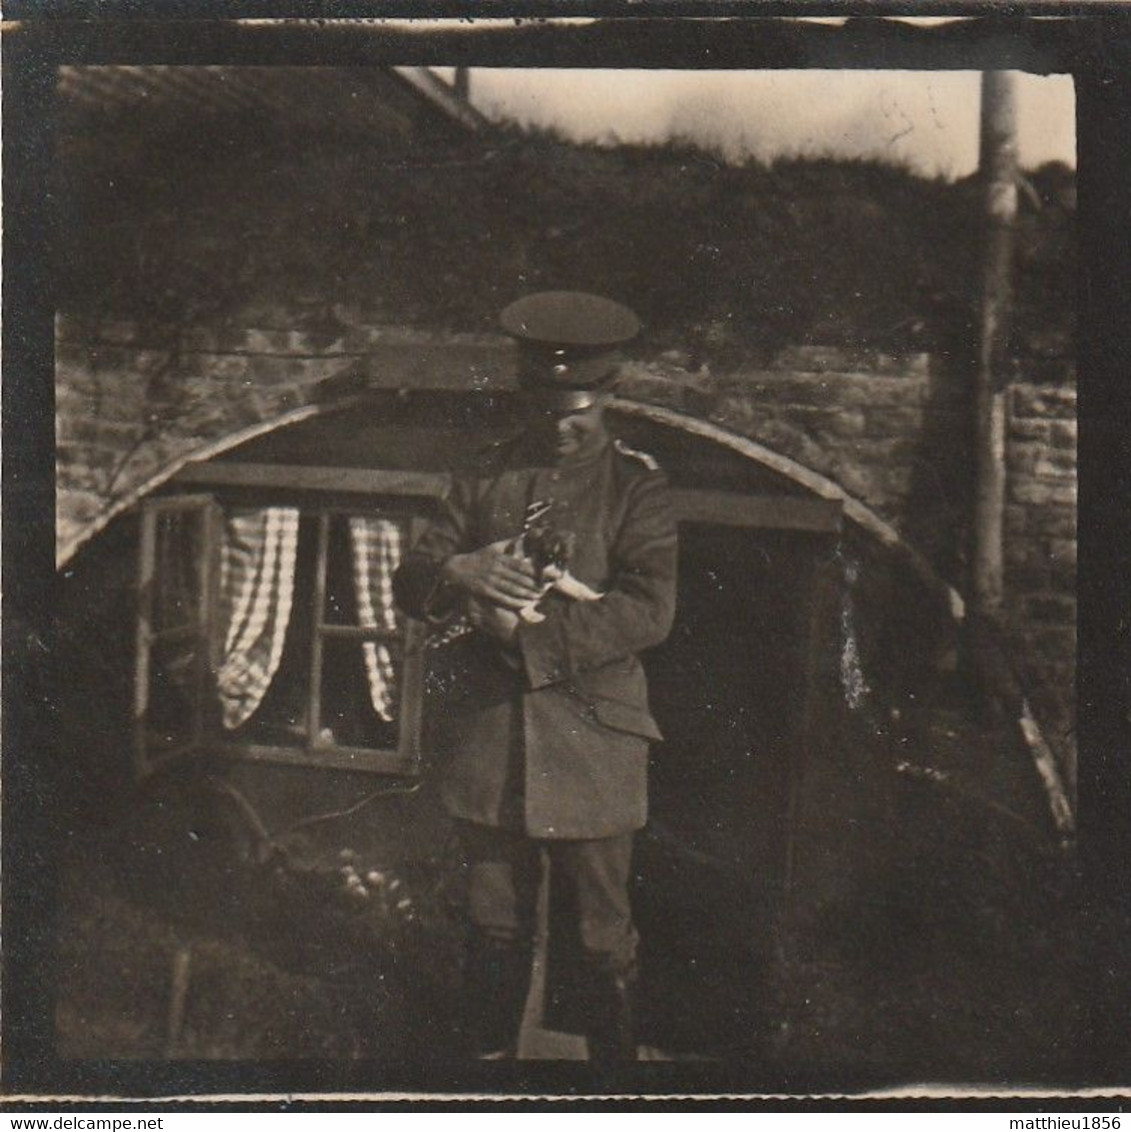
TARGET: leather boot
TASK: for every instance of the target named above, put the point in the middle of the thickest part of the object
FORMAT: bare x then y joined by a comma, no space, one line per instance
496,983
609,1028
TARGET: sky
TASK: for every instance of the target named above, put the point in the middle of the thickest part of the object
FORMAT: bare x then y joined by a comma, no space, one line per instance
927,120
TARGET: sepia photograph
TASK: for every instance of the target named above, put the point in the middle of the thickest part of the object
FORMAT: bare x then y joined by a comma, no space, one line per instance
565,561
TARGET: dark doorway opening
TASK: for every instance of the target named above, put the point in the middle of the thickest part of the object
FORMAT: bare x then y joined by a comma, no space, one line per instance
729,691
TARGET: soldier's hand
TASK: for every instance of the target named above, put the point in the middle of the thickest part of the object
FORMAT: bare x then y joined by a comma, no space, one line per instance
494,574
493,620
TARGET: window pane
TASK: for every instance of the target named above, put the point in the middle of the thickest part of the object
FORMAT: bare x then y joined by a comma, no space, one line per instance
364,552
280,719
360,694
177,561
358,682
173,709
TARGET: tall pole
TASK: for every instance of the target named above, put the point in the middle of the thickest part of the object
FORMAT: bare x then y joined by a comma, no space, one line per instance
998,167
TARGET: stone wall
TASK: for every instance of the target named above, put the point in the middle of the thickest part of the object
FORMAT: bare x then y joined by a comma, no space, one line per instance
133,400
856,416
1040,553
891,429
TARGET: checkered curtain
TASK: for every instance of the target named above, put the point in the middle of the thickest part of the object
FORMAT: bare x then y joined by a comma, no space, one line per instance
257,574
376,546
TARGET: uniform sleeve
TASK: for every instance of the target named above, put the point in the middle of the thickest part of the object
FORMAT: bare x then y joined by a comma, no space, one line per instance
639,603
417,585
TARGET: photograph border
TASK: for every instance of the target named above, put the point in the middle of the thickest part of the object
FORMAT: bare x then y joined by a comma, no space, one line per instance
1092,42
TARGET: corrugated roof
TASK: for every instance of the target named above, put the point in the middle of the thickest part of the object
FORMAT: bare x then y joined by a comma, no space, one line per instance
346,99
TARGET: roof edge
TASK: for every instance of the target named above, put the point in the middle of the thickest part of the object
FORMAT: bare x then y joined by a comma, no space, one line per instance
444,97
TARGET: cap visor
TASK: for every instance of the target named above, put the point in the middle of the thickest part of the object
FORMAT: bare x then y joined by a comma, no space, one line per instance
559,400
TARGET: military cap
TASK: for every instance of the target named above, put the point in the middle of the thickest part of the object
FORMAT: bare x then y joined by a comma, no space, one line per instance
568,344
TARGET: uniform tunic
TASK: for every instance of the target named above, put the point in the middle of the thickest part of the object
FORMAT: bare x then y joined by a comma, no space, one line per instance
553,738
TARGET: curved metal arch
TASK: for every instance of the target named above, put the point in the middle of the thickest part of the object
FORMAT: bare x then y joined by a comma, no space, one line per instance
854,510
67,550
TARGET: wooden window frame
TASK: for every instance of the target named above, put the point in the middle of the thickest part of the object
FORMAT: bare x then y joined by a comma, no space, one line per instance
146,761
406,758
206,733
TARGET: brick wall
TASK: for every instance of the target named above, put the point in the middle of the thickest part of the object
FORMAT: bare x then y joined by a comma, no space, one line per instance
133,400
855,416
888,428
891,429
1040,553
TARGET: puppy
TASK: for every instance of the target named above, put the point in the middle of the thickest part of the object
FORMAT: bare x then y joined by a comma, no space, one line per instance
549,551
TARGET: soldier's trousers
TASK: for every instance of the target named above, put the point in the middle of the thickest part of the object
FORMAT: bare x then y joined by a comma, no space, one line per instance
504,873
589,879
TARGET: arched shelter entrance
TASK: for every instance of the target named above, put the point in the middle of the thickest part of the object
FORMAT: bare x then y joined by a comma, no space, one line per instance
801,624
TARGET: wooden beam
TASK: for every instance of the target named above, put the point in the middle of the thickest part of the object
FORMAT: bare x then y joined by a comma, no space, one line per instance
299,477
692,505
771,512
321,758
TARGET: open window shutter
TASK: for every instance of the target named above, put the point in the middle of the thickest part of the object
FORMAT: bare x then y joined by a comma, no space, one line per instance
177,573
412,676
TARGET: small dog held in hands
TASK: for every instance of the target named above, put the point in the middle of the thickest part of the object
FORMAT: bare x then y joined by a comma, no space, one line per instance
550,551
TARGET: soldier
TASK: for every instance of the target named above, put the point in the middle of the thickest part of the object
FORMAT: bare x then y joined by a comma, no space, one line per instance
547,724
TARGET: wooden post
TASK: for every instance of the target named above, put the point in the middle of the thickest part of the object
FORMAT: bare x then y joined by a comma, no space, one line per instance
999,180
820,585
178,994
462,83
